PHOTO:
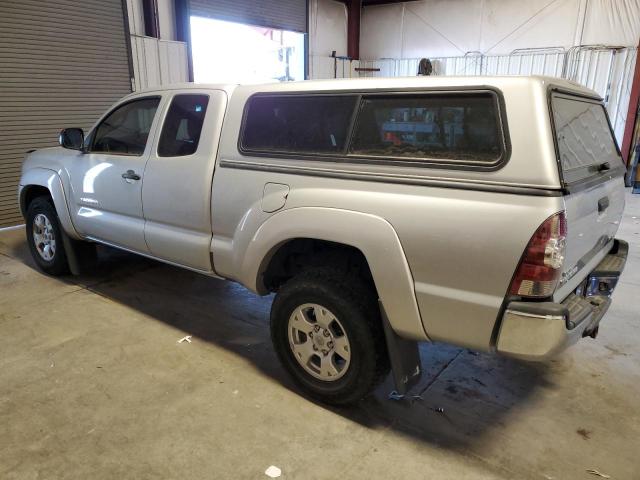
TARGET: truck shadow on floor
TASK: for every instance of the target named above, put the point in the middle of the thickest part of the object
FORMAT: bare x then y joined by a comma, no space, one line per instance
462,397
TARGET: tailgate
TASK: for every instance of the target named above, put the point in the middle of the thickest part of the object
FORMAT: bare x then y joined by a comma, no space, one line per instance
593,178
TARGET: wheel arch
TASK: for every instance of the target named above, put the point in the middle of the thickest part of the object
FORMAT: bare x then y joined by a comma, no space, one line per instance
39,181
372,236
294,255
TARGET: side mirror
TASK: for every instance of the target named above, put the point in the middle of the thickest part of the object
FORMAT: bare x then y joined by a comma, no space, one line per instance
72,138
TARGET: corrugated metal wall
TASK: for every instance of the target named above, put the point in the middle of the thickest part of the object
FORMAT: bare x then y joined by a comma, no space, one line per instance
62,63
283,14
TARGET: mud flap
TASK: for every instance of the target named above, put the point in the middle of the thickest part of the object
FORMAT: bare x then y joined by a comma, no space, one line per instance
404,357
81,256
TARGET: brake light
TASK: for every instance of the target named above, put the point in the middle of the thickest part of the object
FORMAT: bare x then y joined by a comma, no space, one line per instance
541,264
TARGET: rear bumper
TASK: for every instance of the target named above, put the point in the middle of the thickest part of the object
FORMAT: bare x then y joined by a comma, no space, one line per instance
539,330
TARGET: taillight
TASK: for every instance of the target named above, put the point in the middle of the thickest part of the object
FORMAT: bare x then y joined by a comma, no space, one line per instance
541,264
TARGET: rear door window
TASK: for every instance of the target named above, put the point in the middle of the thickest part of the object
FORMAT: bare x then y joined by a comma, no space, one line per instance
183,125
302,124
459,127
584,137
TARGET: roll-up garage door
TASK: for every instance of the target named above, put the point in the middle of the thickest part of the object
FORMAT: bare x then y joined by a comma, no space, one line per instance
281,14
62,63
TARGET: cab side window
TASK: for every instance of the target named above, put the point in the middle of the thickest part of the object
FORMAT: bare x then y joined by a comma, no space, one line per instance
126,129
182,126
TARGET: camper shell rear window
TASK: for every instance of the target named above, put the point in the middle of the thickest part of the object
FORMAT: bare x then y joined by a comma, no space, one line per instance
584,137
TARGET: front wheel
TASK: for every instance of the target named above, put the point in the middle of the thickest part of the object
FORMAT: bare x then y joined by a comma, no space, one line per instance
327,332
44,236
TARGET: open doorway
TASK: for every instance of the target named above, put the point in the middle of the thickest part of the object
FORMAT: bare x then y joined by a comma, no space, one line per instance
228,52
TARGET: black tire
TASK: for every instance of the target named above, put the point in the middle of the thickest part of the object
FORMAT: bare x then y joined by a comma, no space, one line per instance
355,306
58,264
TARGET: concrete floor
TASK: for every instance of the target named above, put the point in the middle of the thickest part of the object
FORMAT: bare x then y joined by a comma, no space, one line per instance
94,385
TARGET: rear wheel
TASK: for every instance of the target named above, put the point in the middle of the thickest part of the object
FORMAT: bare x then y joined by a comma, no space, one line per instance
327,333
44,236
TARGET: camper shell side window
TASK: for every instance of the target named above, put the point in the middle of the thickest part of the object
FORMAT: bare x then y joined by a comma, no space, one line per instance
442,128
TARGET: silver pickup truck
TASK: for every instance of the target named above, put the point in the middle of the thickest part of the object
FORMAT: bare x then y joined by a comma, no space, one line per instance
478,211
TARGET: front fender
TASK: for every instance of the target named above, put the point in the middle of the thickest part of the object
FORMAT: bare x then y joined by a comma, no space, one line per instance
372,235
50,180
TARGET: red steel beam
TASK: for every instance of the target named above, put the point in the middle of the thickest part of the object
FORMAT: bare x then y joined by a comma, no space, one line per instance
634,102
353,28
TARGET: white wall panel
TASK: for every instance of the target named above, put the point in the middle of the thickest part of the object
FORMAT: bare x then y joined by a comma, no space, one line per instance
444,28
158,62
173,62
381,31
612,22
620,91
448,27
327,32
327,27
136,18
507,25
166,19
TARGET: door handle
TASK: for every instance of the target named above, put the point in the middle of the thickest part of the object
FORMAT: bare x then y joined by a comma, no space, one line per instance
130,175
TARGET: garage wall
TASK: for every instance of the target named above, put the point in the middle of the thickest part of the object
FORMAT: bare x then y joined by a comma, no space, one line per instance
608,71
327,32
591,42
60,66
166,19
327,27
443,28
156,61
